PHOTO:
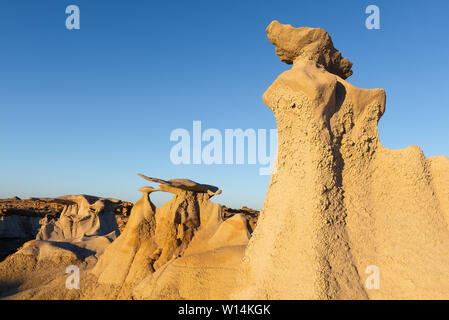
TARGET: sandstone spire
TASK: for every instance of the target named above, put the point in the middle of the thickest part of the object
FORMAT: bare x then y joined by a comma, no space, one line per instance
339,201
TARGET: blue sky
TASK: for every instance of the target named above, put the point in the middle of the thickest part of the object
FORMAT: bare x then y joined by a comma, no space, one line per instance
82,111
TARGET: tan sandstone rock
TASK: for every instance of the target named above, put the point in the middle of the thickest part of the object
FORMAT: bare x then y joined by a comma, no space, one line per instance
75,236
312,44
159,244
339,201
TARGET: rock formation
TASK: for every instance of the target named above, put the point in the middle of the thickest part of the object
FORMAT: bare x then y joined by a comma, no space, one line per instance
69,230
338,206
21,220
313,44
86,217
339,201
162,250
159,254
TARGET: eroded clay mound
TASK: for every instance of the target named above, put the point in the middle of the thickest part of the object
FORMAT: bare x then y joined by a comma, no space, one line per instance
71,230
339,202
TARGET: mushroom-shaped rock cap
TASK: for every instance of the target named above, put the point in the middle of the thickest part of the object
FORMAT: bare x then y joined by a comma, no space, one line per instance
307,43
184,184
147,189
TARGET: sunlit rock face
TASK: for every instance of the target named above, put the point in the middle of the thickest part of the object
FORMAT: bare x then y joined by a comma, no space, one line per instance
162,252
339,201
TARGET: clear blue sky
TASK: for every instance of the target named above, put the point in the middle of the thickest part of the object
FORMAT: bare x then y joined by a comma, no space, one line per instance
83,111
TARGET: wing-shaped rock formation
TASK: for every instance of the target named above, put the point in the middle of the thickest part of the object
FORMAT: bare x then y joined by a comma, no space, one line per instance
162,250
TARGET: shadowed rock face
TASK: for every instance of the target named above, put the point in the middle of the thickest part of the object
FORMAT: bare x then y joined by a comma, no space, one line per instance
339,201
21,220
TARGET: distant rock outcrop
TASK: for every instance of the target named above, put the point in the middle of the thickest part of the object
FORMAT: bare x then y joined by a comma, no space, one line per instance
339,203
88,216
21,220
66,230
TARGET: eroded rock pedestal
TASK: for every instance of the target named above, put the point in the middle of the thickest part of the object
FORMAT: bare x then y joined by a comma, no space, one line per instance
339,201
182,250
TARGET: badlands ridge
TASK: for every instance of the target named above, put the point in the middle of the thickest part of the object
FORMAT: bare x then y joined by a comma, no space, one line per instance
338,204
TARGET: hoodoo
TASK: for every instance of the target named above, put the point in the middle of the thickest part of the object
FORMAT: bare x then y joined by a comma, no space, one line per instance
339,201
162,250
